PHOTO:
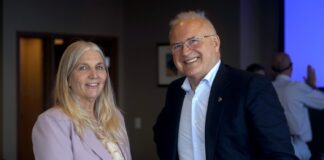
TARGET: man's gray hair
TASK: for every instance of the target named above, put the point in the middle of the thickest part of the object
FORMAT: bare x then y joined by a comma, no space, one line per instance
200,15
188,15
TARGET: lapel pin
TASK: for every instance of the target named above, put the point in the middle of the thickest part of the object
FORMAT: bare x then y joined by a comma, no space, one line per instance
220,99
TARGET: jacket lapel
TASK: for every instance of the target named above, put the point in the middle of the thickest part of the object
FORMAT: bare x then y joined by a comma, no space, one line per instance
96,146
215,110
167,126
125,152
177,99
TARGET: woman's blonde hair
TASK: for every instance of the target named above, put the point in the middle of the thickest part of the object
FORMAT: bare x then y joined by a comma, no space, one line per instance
106,110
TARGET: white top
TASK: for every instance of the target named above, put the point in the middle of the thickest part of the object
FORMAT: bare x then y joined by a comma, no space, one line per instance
296,97
191,141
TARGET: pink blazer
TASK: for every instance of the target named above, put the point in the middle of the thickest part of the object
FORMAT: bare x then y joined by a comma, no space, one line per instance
54,138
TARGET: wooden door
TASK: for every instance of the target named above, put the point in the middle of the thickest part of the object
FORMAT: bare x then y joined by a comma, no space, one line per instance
30,92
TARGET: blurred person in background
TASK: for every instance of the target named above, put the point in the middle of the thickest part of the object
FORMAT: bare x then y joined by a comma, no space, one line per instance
296,98
256,68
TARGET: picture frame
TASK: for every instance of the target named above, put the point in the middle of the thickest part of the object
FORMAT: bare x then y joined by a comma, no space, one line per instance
167,71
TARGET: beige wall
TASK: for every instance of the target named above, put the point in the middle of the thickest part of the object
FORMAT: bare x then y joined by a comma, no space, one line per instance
1,83
259,31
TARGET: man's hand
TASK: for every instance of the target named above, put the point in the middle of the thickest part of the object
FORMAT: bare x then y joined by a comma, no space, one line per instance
311,77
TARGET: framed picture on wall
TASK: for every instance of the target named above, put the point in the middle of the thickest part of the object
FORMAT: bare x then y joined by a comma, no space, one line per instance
167,71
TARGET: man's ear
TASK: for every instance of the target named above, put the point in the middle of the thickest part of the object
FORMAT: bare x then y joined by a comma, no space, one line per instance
216,41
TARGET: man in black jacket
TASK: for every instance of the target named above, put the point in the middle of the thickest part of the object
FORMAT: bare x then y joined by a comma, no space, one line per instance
215,111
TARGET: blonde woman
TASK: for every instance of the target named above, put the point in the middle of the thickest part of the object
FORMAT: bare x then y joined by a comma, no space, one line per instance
84,122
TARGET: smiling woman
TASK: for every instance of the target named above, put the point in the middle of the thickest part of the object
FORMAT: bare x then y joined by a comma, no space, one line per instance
84,122
39,55
88,78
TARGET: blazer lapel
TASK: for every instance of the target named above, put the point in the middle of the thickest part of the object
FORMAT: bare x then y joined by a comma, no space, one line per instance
97,147
123,148
168,122
178,98
215,110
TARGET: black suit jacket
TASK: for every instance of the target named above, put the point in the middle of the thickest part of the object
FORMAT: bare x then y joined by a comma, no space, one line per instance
244,119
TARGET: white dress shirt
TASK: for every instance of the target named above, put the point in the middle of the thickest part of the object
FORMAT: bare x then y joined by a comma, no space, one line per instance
295,97
191,141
